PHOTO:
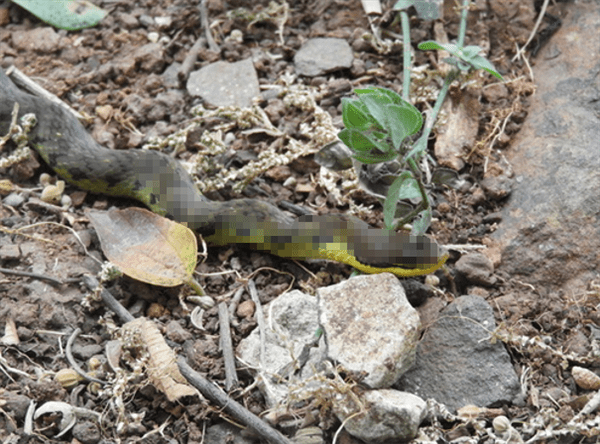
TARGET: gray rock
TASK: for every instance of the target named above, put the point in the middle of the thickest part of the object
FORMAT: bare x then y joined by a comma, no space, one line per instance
150,57
389,415
171,76
14,200
323,55
497,187
477,269
293,321
370,327
457,364
551,224
225,84
43,40
86,432
226,434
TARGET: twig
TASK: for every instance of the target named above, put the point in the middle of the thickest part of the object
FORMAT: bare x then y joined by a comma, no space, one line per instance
260,320
231,379
235,300
30,86
72,361
42,277
92,284
489,151
191,57
204,22
12,129
51,208
533,31
213,393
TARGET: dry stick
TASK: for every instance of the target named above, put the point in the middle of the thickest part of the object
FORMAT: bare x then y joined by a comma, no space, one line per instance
51,208
29,85
231,379
521,51
204,22
260,320
191,57
42,277
72,361
92,284
217,396
233,304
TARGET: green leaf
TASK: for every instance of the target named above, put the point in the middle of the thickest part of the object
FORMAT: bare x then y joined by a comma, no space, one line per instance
421,223
375,157
405,117
375,103
391,112
458,63
354,114
355,140
480,62
369,90
396,117
468,52
450,47
389,206
392,95
64,14
430,45
363,141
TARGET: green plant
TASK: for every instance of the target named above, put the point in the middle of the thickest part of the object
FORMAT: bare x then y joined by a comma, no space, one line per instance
379,124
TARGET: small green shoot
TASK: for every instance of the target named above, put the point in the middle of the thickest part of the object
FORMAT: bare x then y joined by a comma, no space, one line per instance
379,124
465,59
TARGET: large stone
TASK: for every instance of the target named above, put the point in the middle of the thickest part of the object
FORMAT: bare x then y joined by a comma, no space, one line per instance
387,415
225,84
322,55
292,322
551,224
370,327
457,363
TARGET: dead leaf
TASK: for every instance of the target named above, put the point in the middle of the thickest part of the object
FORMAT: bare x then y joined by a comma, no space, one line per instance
162,369
145,246
457,135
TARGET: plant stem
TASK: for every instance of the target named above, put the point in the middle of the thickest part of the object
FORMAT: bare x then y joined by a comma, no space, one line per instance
432,117
463,23
424,204
452,75
407,55
196,286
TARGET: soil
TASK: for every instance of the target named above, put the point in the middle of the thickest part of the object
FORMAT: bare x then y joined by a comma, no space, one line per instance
110,75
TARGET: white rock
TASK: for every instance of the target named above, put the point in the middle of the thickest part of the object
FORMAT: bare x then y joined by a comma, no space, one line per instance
370,327
388,415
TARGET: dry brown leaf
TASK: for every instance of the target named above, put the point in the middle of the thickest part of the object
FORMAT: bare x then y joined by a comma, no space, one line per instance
162,364
145,246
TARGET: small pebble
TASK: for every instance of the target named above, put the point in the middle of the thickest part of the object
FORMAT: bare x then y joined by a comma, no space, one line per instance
14,200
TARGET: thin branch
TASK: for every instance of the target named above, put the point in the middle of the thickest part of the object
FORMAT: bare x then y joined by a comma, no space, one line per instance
213,393
231,379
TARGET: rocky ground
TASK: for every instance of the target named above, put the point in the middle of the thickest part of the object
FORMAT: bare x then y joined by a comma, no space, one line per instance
526,189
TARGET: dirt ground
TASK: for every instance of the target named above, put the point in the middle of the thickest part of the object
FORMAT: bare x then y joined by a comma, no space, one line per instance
107,74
